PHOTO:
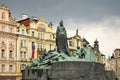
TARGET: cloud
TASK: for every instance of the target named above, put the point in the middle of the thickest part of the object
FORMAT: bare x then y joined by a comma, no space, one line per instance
107,31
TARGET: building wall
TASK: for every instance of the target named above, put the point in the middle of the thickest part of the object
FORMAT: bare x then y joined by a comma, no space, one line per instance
7,45
43,39
115,63
75,41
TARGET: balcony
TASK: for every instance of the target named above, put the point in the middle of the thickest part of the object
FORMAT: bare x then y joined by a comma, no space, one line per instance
3,57
23,59
41,49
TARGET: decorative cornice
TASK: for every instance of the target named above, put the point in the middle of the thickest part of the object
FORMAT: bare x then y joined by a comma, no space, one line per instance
12,23
4,7
7,33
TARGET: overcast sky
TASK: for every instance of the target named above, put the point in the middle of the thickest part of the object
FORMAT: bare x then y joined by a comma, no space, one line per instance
94,18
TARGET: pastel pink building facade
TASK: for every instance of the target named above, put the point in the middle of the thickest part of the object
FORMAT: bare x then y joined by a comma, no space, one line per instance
8,40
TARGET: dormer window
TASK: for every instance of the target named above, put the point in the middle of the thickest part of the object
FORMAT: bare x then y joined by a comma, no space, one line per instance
23,31
32,33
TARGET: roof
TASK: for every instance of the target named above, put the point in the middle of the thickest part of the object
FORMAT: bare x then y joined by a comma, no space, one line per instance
74,37
117,49
26,22
69,38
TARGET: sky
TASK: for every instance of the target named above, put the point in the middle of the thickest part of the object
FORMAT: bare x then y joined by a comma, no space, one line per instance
95,19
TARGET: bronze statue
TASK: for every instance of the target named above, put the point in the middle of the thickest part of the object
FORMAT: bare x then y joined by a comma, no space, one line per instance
85,53
61,39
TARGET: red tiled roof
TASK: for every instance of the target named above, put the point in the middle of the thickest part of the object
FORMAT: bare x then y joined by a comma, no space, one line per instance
69,38
26,22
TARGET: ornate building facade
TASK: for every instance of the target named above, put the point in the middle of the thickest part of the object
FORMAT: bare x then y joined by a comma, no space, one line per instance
74,42
33,32
7,45
26,40
114,63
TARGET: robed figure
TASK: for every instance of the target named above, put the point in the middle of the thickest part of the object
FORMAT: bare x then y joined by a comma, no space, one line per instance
61,39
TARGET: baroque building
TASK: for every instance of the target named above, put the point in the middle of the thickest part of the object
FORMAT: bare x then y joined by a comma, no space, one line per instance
7,45
114,63
75,41
100,57
35,37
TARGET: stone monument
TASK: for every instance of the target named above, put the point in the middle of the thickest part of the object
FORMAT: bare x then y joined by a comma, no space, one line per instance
65,65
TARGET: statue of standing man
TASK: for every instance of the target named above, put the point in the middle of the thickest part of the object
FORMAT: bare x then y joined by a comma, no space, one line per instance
61,39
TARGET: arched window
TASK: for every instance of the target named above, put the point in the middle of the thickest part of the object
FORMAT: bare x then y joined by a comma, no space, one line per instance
3,68
11,54
23,31
11,42
3,15
22,66
10,68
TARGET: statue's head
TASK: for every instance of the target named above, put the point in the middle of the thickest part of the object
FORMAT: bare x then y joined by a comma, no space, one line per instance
61,23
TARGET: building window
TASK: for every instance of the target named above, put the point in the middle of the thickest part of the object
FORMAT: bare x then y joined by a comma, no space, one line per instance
50,36
3,41
11,30
3,68
23,43
50,46
3,53
42,45
43,36
11,54
39,45
23,31
11,42
3,28
39,35
32,33
3,15
71,43
10,68
23,55
22,66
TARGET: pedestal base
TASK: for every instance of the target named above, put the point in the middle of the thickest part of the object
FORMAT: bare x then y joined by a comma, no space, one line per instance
70,71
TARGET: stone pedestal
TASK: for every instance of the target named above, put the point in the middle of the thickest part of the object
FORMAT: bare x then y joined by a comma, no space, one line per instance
69,71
